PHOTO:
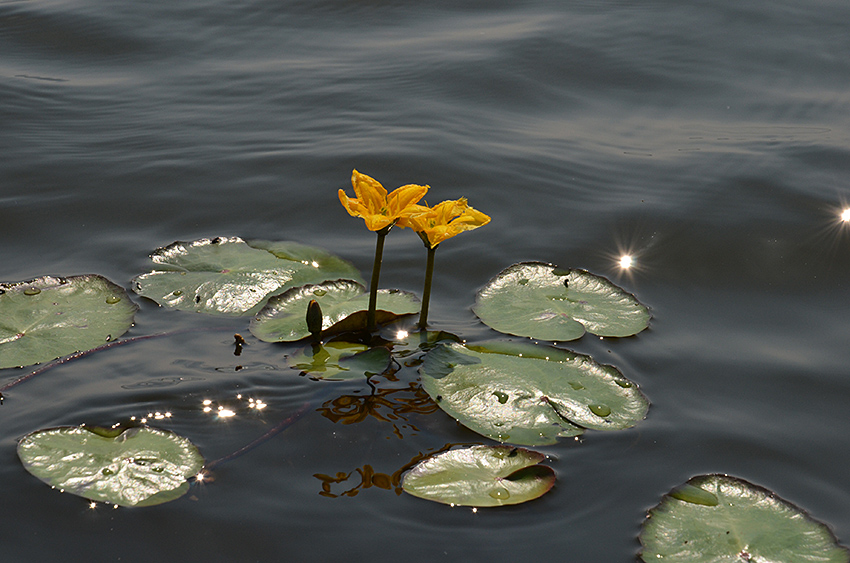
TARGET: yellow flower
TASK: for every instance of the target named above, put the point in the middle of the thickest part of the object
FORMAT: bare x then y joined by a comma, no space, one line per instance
443,221
372,203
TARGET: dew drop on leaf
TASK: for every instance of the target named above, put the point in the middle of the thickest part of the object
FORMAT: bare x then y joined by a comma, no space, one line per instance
600,410
500,493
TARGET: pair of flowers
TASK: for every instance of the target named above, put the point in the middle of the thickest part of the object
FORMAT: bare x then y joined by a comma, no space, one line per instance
382,210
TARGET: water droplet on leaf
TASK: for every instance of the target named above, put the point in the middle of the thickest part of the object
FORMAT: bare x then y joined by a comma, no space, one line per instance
113,299
600,410
32,291
500,493
694,495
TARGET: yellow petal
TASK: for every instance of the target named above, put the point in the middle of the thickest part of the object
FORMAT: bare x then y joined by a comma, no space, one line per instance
402,200
369,191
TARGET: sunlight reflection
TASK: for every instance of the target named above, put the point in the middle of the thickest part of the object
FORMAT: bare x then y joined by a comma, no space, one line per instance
845,215
625,261
402,334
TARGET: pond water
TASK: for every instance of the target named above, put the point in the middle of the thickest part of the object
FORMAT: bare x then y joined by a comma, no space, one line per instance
711,140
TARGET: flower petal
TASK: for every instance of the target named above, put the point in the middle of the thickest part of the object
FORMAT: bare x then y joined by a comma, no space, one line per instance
401,200
369,191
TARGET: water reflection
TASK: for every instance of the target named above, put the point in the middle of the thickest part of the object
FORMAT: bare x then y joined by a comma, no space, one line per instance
370,478
388,405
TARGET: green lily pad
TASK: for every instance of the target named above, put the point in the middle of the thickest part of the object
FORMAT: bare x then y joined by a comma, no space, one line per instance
339,361
343,302
228,276
480,476
51,317
527,394
717,518
542,301
137,467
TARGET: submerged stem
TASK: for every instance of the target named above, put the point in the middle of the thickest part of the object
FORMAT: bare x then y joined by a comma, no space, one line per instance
426,292
376,274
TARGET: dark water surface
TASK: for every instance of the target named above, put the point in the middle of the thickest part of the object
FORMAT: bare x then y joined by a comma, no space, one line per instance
711,139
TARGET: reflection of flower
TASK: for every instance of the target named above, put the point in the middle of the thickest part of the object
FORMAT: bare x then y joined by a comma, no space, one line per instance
375,206
351,409
443,221
369,478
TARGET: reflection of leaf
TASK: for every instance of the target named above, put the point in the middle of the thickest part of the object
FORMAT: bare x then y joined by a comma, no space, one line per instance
343,305
527,394
137,467
337,361
714,518
542,301
481,476
46,318
229,276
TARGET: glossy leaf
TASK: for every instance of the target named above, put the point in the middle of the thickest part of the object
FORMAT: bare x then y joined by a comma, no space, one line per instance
717,518
338,361
137,467
542,301
527,394
480,476
51,317
229,276
283,319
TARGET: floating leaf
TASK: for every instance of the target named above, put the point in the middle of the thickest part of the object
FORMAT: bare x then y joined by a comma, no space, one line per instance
49,317
542,301
137,467
338,361
480,476
229,276
716,518
527,394
283,319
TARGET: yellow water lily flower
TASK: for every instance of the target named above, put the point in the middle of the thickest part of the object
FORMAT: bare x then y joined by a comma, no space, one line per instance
375,206
443,221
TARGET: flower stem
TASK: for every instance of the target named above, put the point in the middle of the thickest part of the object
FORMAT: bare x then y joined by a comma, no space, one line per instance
376,274
426,292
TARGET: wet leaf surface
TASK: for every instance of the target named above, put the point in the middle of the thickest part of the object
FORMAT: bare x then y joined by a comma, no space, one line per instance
718,518
52,317
542,301
137,467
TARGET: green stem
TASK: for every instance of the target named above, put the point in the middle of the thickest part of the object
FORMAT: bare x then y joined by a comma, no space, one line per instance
376,274
426,292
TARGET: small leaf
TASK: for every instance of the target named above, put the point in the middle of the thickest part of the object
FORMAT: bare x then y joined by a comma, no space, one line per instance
229,276
542,301
527,394
338,361
139,467
50,317
714,518
480,476
341,302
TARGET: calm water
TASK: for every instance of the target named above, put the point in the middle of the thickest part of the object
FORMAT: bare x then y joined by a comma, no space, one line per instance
711,139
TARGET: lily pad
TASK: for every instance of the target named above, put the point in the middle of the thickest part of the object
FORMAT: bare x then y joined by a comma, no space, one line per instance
339,361
51,317
549,303
527,394
137,467
283,319
717,518
480,476
229,276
